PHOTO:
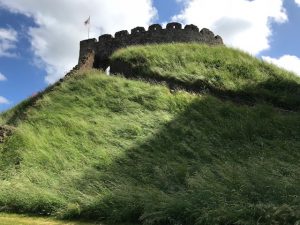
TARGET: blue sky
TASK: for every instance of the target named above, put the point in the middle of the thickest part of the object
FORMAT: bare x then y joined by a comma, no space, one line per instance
39,39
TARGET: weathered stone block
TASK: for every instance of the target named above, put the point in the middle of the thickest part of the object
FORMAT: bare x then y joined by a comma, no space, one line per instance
191,27
122,33
105,37
207,33
155,27
174,26
138,30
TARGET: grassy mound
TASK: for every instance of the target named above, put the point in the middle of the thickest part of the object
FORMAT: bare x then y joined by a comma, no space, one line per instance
218,70
109,148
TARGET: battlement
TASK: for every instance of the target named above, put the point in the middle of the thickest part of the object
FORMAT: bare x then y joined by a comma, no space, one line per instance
107,44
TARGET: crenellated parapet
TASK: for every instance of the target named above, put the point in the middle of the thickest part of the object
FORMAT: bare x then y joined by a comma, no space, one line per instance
107,44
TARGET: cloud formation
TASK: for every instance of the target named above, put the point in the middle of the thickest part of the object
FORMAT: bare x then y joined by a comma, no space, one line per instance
288,62
297,2
8,40
243,24
3,100
2,77
55,42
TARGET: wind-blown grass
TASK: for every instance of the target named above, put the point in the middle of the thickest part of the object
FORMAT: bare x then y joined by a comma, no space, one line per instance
219,69
108,148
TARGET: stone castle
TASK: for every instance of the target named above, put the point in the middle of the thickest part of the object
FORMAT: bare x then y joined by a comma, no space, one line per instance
107,44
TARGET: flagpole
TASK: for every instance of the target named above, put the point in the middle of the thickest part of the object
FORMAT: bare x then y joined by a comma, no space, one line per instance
89,25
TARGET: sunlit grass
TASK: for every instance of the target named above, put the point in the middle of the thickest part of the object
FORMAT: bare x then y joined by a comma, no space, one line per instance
12,219
118,150
219,69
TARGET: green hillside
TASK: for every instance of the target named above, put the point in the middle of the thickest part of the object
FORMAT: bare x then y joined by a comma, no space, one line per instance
224,72
113,149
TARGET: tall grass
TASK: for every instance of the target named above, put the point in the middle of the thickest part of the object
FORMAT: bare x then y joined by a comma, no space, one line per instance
108,148
221,70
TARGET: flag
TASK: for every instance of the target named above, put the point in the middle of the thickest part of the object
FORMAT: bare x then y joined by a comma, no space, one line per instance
87,22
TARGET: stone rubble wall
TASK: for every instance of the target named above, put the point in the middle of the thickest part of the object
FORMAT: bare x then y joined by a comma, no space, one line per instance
107,44
5,131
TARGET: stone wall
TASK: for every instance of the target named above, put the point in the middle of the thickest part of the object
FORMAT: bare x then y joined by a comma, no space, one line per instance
173,32
5,131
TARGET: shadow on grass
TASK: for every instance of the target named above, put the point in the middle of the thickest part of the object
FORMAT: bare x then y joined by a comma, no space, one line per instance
215,163
278,91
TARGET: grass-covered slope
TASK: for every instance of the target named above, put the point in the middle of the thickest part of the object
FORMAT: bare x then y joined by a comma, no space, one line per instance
222,71
109,148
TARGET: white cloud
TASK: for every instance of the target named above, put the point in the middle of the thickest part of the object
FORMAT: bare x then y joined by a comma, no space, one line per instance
8,40
288,62
243,24
297,2
55,41
3,100
2,77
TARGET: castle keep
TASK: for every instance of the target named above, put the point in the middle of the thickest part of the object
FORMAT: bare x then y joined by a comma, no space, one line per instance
107,44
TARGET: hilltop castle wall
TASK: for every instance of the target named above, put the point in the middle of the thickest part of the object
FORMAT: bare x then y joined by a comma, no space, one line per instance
107,44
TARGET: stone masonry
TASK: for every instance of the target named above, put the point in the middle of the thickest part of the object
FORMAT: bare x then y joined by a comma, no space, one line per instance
107,44
5,131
